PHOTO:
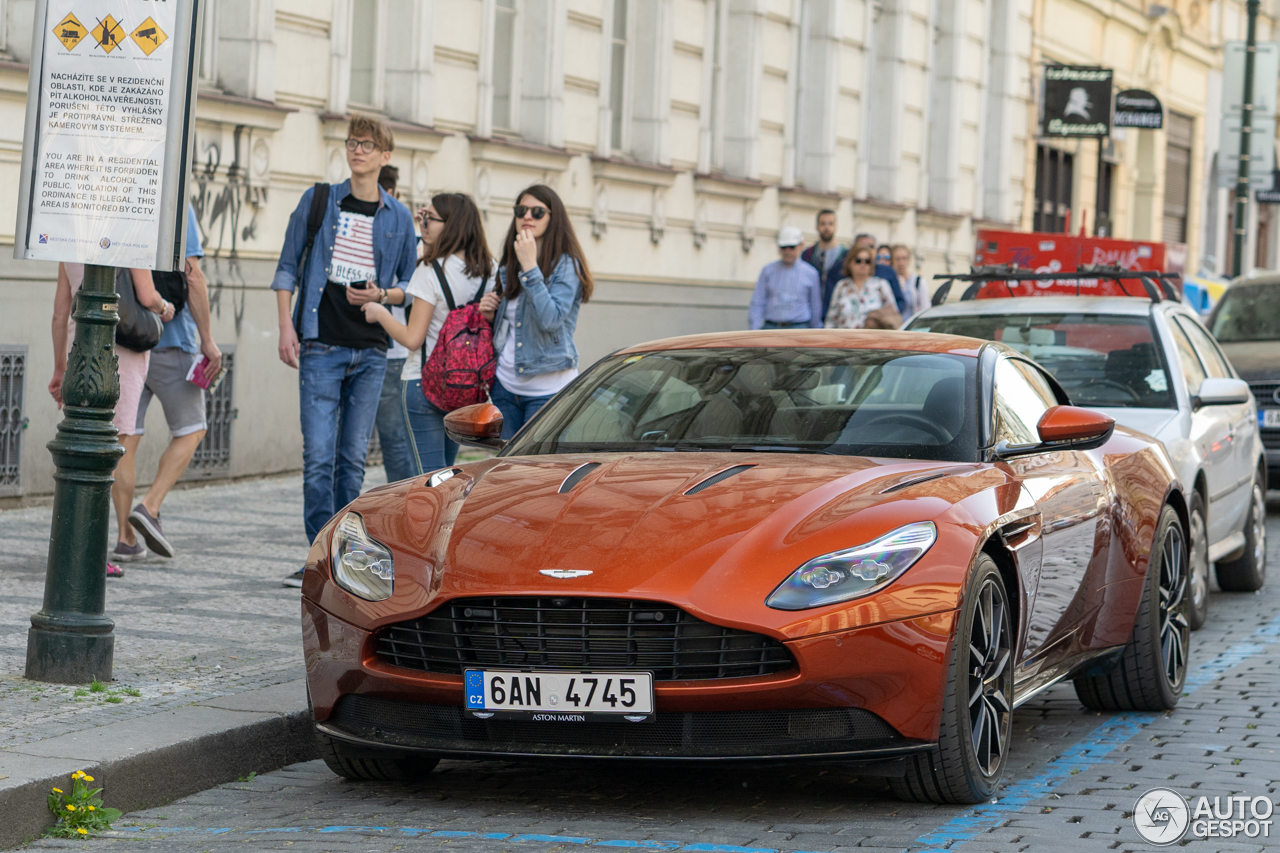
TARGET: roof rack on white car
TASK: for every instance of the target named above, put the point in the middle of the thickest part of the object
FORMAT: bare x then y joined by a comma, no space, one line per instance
1154,283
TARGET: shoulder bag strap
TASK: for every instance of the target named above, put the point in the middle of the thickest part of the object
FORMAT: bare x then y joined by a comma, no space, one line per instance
480,293
315,219
448,297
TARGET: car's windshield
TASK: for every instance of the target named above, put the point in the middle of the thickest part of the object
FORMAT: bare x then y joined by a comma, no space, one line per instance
1248,313
1099,359
895,404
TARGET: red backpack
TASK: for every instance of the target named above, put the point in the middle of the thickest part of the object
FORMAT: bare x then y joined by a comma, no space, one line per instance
462,366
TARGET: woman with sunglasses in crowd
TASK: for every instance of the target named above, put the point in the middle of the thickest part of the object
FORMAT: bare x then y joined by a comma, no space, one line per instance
544,279
453,237
862,300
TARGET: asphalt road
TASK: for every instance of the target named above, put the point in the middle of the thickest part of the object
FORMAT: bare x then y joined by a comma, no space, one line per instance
1072,784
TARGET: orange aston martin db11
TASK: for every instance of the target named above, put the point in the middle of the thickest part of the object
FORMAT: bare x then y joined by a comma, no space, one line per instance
806,545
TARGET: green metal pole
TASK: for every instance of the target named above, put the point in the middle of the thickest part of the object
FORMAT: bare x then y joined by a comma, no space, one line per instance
1240,225
71,641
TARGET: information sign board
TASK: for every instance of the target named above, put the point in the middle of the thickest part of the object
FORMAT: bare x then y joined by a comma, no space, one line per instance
105,152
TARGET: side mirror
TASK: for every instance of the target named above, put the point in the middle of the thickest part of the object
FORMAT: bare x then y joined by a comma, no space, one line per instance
1075,426
1221,392
1062,428
479,425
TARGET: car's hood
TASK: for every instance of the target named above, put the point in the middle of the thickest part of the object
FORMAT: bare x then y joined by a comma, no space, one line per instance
1255,361
1149,421
633,525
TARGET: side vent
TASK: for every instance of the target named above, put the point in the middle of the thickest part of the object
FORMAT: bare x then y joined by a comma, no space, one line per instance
718,478
576,475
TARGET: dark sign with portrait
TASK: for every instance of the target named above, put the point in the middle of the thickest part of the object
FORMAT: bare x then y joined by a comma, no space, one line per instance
1271,195
1139,108
1077,100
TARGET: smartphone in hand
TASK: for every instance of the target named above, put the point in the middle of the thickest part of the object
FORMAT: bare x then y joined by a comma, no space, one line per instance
359,285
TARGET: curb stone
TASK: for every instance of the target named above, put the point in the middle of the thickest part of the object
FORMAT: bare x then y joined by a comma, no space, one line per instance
148,761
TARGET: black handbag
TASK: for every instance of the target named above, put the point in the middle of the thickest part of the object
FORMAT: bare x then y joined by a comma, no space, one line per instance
139,328
172,286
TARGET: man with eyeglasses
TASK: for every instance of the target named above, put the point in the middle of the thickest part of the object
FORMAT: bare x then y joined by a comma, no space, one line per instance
364,247
788,293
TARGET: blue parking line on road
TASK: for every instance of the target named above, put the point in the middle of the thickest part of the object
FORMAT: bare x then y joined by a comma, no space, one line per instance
724,848
552,839
1090,751
647,845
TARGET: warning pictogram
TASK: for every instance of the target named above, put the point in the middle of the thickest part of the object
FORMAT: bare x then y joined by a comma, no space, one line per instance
70,32
108,34
148,36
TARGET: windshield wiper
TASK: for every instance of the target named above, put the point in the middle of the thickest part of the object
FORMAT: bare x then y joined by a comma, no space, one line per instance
777,448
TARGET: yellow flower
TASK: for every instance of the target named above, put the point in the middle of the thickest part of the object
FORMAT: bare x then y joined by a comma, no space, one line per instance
57,790
77,774
71,808
92,809
82,830
86,778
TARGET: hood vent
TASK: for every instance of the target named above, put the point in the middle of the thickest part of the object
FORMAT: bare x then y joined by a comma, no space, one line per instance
718,478
576,475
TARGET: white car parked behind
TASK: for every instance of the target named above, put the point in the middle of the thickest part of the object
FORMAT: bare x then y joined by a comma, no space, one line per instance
1152,366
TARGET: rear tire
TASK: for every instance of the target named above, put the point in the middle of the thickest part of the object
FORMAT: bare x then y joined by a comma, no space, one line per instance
1152,670
1249,572
965,767
361,766
1197,564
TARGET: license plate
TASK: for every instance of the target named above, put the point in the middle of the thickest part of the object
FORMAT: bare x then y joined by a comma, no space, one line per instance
1269,417
560,696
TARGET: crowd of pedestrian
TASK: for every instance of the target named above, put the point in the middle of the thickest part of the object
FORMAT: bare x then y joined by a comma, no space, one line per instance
864,286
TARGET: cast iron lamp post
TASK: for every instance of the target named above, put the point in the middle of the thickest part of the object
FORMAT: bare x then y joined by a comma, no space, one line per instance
1240,224
71,640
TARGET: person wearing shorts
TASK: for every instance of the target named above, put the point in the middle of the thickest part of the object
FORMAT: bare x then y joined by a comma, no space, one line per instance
186,337
132,367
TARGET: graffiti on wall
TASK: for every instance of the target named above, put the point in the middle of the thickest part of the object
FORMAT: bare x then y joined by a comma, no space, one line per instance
226,208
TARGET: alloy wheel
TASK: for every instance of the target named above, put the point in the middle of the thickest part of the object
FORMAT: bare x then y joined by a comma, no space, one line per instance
990,678
1174,628
1199,559
1259,516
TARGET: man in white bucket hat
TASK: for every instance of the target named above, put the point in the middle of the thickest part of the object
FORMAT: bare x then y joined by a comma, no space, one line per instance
788,293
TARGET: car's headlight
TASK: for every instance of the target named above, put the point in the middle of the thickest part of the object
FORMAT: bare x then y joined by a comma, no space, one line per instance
360,565
842,575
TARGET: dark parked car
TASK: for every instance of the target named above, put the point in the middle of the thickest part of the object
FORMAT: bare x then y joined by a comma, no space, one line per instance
1246,322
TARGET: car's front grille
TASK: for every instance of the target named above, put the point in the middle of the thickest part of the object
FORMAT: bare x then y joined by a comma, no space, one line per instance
1270,438
578,633
1264,393
711,733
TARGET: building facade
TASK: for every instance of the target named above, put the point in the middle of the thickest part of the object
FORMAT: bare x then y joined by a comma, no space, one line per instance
682,134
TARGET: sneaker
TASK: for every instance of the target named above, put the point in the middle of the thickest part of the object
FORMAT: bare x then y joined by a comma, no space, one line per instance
123,553
149,528
294,580
114,571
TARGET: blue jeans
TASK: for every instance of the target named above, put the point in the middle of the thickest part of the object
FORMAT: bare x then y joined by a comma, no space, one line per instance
431,448
397,457
516,409
338,389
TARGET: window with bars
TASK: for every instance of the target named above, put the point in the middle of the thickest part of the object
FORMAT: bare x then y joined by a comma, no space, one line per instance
13,380
1055,179
213,456
1177,177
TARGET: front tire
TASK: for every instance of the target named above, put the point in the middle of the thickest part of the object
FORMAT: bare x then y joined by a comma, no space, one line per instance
1152,670
1248,572
977,712
1198,564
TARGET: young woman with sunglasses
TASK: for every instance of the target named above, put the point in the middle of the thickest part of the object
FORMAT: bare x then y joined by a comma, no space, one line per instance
859,293
544,279
453,235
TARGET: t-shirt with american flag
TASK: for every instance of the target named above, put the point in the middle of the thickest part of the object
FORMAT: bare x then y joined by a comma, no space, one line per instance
341,323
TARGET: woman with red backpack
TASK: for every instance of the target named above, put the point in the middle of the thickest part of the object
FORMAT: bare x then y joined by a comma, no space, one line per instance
455,266
544,280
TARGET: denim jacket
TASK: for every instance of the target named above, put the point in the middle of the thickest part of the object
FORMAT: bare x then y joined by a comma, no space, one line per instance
395,250
545,320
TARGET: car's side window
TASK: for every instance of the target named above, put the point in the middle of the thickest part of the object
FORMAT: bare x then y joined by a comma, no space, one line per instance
1019,403
1192,370
1209,355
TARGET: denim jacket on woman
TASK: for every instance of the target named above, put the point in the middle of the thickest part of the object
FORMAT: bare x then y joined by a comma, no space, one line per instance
545,320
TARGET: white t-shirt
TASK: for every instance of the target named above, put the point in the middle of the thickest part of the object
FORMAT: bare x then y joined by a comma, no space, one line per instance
425,288
536,385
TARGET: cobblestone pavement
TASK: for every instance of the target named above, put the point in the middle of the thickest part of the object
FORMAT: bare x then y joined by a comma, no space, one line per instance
1072,784
211,621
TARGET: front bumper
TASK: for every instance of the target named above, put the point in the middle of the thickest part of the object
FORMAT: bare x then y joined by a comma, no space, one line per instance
864,693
